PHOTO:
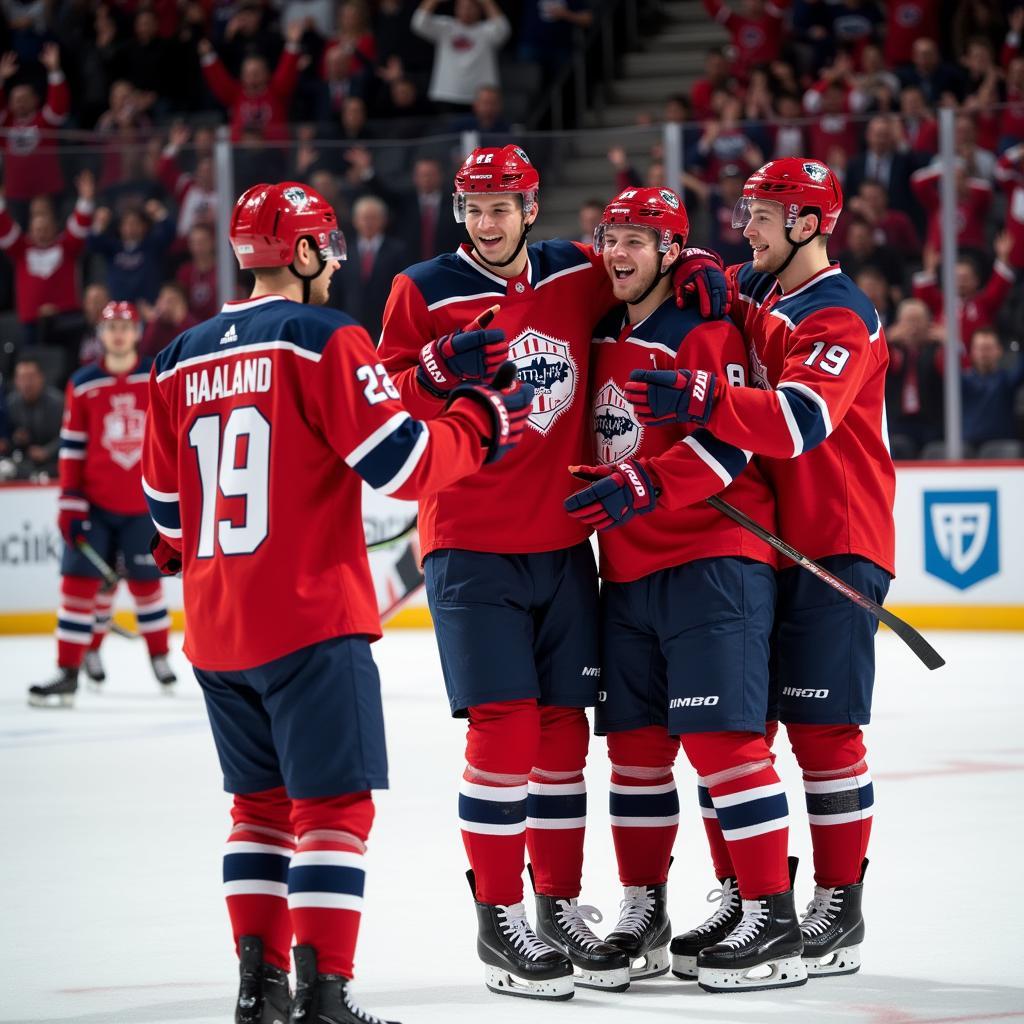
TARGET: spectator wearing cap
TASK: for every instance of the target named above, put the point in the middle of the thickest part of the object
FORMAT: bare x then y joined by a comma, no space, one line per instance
46,260
465,48
31,162
135,253
989,390
165,320
35,411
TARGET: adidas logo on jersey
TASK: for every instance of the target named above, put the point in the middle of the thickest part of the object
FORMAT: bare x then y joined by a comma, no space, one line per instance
229,336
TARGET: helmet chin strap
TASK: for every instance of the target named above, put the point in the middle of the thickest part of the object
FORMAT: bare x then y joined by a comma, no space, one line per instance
795,247
513,257
658,278
308,279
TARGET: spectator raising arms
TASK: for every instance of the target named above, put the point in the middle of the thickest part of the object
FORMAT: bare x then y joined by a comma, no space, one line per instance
165,320
256,102
989,390
135,255
756,31
31,164
45,261
195,194
466,48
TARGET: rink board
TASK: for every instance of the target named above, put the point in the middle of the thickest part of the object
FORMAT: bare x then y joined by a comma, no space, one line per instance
959,551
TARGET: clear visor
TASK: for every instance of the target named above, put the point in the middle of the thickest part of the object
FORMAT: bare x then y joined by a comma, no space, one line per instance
461,199
741,212
664,238
335,247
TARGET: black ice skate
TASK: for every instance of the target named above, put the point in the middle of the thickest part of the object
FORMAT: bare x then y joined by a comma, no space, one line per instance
263,996
643,930
685,947
324,998
762,951
833,929
164,673
93,665
59,692
517,963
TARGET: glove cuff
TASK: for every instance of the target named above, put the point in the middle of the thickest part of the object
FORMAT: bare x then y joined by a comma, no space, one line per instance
488,414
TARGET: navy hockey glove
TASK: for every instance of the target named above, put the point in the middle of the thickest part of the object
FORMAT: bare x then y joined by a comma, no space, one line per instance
699,276
166,556
72,515
507,401
618,492
661,397
472,355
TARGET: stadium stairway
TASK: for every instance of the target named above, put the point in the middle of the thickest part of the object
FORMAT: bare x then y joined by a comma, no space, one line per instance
669,63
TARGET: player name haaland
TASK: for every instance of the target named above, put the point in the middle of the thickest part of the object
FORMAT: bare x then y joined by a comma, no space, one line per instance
223,381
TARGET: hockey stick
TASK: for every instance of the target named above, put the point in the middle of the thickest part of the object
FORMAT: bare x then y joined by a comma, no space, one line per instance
910,636
404,532
110,581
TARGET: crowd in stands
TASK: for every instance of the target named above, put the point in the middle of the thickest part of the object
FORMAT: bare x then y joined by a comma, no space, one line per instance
108,114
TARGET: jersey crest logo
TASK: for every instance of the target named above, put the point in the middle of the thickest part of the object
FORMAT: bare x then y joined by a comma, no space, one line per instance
758,371
297,197
548,365
123,428
617,435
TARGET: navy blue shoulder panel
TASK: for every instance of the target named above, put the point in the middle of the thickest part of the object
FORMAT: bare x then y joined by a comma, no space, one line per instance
835,292
448,275
610,325
553,256
753,283
94,371
668,325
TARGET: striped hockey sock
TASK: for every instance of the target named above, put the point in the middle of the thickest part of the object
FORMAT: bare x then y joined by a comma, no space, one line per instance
151,614
102,613
256,859
492,817
75,619
840,807
720,856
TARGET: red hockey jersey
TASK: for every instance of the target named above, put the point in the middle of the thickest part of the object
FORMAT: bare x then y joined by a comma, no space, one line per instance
819,356
30,145
548,315
263,423
101,436
685,464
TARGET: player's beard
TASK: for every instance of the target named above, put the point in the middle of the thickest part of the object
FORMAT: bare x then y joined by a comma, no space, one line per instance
638,285
769,261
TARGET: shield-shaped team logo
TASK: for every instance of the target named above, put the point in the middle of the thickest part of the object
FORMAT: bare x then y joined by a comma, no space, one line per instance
548,365
297,197
616,434
961,536
123,428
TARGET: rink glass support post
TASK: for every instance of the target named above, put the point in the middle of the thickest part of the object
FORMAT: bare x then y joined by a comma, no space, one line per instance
224,169
469,141
947,211
672,145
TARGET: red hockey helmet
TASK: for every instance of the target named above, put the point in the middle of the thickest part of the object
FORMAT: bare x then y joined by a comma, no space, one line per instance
120,311
659,209
268,221
491,170
799,185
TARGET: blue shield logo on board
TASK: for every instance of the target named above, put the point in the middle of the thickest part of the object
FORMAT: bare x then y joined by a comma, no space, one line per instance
961,536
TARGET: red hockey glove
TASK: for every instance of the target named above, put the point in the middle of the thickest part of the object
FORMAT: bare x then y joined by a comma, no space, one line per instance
166,556
506,402
661,397
471,355
699,276
72,515
619,492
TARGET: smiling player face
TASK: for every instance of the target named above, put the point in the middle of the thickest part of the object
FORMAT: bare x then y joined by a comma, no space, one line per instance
766,233
495,225
631,260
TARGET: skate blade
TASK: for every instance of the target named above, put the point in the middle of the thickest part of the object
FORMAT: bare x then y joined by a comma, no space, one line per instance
653,964
506,984
684,967
616,980
786,972
63,700
845,960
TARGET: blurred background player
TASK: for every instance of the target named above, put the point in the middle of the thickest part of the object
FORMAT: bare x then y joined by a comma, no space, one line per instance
817,419
687,605
101,502
265,420
510,580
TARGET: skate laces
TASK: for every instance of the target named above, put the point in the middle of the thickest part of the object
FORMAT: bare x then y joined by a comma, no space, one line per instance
728,901
358,1012
573,918
821,910
523,938
637,908
755,913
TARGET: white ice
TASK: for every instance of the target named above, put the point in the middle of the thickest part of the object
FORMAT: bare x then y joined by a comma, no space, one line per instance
113,822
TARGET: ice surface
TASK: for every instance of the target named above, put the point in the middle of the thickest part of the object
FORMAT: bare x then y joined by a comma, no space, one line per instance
113,825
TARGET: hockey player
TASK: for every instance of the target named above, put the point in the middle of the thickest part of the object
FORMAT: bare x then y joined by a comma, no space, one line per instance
264,421
101,501
686,615
817,419
508,574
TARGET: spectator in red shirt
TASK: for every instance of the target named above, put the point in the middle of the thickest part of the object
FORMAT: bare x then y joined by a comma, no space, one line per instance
973,202
198,275
354,38
717,75
891,227
756,31
906,21
1011,121
165,320
1010,174
46,263
834,126
31,164
978,306
724,142
256,102
195,193
919,128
